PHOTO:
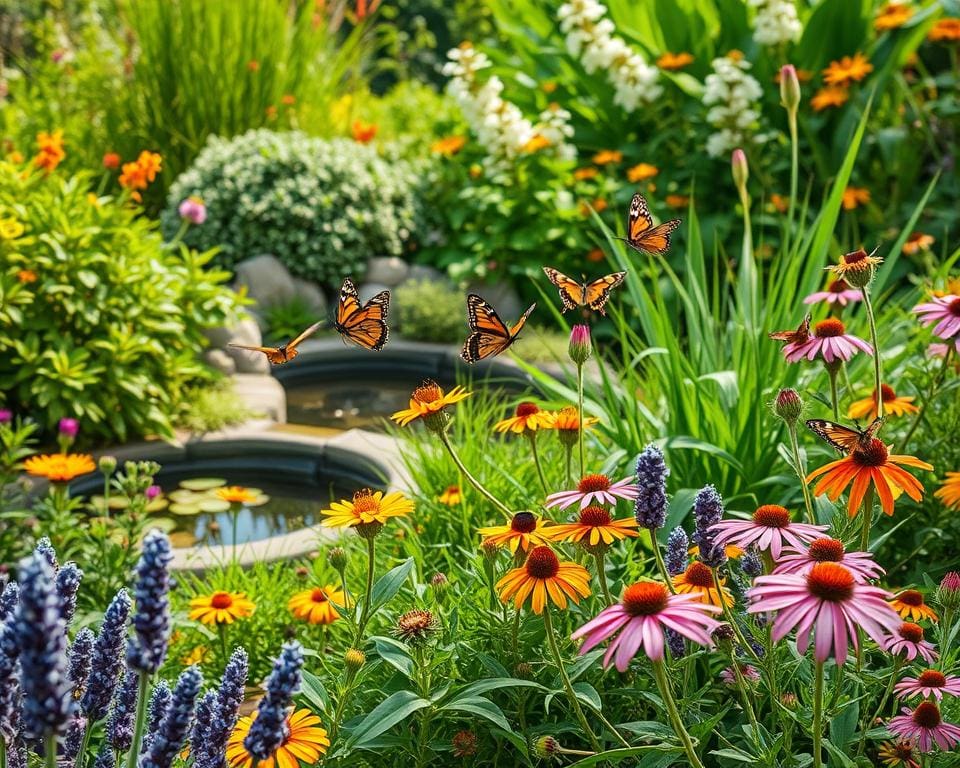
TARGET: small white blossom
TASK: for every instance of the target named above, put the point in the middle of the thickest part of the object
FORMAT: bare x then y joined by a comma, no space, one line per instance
776,22
732,95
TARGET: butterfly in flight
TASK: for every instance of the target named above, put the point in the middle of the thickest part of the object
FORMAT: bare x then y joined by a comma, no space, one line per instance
845,439
285,353
363,324
799,336
489,335
593,294
642,236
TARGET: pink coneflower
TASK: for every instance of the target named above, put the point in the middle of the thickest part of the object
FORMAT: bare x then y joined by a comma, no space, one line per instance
930,682
838,292
827,602
944,311
644,611
830,341
908,640
940,350
595,489
768,529
749,674
800,561
925,727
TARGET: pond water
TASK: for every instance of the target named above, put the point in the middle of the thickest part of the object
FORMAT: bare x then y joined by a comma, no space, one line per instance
360,404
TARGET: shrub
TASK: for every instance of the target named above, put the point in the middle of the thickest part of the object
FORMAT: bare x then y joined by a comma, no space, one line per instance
99,319
430,311
211,406
321,207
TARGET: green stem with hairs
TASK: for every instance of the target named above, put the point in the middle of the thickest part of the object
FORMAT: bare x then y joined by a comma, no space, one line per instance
602,576
817,733
583,469
470,478
897,663
795,450
834,396
748,707
728,615
532,437
868,305
364,613
673,713
661,566
50,750
140,724
867,512
794,171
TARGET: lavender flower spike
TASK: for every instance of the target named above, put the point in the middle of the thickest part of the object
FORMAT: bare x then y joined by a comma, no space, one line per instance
151,622
750,563
268,730
226,709
68,583
120,724
156,710
707,512
80,660
42,639
45,550
9,599
168,740
9,684
107,659
203,725
650,508
74,738
105,758
678,545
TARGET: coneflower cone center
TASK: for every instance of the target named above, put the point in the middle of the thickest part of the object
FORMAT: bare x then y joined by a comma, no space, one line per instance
772,516
954,307
542,563
911,597
524,522
318,596
427,392
927,715
221,600
527,409
903,751
829,328
886,393
593,483
830,582
826,550
595,516
856,257
698,575
874,455
646,598
932,678
364,501
911,632
838,286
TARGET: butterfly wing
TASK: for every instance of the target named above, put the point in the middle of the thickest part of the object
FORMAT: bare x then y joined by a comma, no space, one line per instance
869,433
489,335
274,355
641,234
844,439
597,292
799,336
309,332
572,293
364,325
518,326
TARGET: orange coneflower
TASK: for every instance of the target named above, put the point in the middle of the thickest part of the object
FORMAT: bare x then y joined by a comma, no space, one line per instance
863,466
525,530
641,172
365,508
545,578
892,16
892,404
918,241
26,276
673,61
847,70
854,197
363,133
60,467
316,606
945,31
451,496
697,579
607,156
583,174
428,400
304,741
221,608
594,525
949,491
527,418
910,605
829,96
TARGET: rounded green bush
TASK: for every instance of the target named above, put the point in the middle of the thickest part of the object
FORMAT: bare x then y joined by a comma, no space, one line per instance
430,311
323,207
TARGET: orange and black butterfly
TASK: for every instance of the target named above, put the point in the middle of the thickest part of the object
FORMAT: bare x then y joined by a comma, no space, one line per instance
363,324
285,353
642,236
593,294
489,335
799,336
844,439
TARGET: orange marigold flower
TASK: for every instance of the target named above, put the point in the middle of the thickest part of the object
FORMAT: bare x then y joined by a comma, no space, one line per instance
854,197
448,146
949,491
15,157
27,276
892,404
288,99
892,16
253,65
221,608
673,61
545,579
698,579
362,132
535,144
831,96
641,172
50,150
945,31
583,174
271,112
304,742
910,605
60,467
607,156
677,201
918,241
111,161
847,70
317,605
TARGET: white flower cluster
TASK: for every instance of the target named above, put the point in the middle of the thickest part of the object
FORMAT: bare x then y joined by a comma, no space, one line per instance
732,95
776,22
499,125
590,38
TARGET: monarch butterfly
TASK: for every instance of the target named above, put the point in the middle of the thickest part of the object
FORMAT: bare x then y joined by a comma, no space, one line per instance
799,336
844,439
642,236
363,324
285,353
593,294
489,335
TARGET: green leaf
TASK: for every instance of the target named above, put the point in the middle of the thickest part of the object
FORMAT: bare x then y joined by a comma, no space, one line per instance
844,724
390,583
492,684
395,654
384,716
313,690
480,706
613,756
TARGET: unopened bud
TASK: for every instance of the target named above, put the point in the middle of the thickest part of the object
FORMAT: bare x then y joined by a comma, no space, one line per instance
580,348
788,405
740,170
789,87
108,465
354,659
337,557
546,747
948,593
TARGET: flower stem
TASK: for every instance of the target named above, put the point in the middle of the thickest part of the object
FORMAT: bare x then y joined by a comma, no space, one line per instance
926,400
583,470
817,733
834,397
569,456
470,478
571,694
364,613
81,755
794,169
730,619
661,566
532,437
140,724
663,684
602,576
897,663
742,685
50,750
876,349
795,450
867,512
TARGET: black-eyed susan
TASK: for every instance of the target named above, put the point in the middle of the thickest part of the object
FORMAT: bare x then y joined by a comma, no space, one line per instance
428,402
317,605
910,605
305,741
898,754
525,530
594,526
365,508
451,496
527,418
221,607
893,404
949,490
847,69
697,580
60,467
543,578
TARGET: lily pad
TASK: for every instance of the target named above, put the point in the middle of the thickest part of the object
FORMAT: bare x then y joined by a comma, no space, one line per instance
165,524
158,504
179,508
116,502
213,506
182,495
183,539
259,501
202,483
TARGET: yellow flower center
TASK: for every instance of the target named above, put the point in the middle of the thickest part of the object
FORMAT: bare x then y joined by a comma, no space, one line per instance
428,392
364,501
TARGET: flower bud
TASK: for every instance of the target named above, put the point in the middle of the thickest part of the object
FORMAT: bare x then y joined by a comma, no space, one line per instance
152,492
740,170
68,428
789,88
859,267
337,557
580,348
193,210
523,671
440,585
724,636
354,659
490,550
546,747
789,699
788,405
6,416
108,465
948,593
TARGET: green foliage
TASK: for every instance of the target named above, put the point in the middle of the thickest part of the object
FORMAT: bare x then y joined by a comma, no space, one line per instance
101,320
211,406
430,310
285,320
321,207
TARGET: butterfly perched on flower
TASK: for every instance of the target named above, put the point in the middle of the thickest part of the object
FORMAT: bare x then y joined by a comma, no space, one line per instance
363,324
593,294
489,335
284,353
642,236
799,336
845,439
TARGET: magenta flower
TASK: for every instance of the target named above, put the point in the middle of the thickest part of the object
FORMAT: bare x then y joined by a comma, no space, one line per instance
925,727
945,312
6,416
769,528
908,640
827,602
749,673
595,489
799,560
193,210
830,341
68,427
644,611
930,682
152,492
579,348
838,292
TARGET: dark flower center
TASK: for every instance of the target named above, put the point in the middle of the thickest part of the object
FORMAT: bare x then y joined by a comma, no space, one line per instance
828,328
524,522
855,257
772,516
593,483
954,307
838,286
527,409
826,550
874,455
927,715
932,678
221,600
318,596
911,632
427,392
903,750
698,575
911,597
886,393
594,516
830,582
645,598
542,563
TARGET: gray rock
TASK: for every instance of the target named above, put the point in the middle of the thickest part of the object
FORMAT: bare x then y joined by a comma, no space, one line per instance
311,295
502,296
244,331
220,361
388,270
267,280
262,394
421,272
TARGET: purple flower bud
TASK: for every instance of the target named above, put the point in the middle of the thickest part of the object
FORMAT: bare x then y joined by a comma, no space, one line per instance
707,512
45,550
226,710
203,724
678,545
152,492
751,564
676,644
9,683
151,622
156,710
9,599
168,739
268,730
74,738
650,508
107,659
193,210
6,416
68,428
105,757
68,582
579,348
122,713
80,661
